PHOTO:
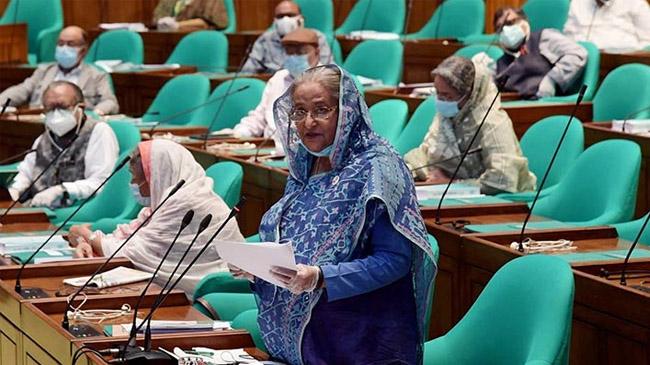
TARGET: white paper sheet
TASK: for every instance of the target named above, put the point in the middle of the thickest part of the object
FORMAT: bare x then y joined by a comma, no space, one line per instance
258,258
457,190
118,276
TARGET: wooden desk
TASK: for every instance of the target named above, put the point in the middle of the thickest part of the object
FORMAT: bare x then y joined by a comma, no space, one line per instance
605,325
523,116
13,43
18,136
610,61
602,131
12,74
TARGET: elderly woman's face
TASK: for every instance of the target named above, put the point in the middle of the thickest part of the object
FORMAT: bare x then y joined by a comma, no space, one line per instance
315,114
445,91
137,175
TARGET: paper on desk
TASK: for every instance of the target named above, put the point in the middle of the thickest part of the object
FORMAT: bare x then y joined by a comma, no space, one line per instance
118,276
13,244
456,190
258,258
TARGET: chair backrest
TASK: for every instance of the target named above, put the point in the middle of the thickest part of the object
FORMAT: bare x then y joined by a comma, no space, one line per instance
41,16
318,14
540,140
523,316
460,18
232,16
377,15
120,44
629,230
337,53
388,118
600,188
547,13
128,136
470,51
227,177
624,91
235,106
176,95
417,127
205,49
365,60
248,320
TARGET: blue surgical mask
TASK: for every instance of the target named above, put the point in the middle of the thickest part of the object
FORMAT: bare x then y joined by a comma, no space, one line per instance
296,64
512,36
145,201
66,56
325,152
447,109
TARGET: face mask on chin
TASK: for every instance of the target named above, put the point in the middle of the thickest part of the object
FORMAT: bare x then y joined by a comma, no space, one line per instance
61,121
287,24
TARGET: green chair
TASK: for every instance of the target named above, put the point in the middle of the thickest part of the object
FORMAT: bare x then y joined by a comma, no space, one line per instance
337,53
388,118
114,201
254,238
600,188
177,95
235,106
207,50
523,316
123,45
379,60
377,15
546,13
318,14
248,320
44,20
589,77
629,230
224,306
460,18
624,91
495,52
232,17
227,177
417,127
538,145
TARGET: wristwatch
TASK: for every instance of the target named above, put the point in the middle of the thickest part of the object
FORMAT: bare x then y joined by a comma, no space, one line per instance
66,196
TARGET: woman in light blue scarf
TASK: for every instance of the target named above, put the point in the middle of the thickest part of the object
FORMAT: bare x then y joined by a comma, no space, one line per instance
359,295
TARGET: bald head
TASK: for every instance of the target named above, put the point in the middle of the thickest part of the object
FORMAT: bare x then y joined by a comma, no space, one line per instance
287,8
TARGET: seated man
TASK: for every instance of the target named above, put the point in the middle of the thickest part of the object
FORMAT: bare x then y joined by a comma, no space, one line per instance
464,92
301,47
268,55
610,24
190,14
71,48
81,168
535,64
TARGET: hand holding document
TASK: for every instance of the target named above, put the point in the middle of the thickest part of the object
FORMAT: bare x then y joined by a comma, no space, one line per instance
258,258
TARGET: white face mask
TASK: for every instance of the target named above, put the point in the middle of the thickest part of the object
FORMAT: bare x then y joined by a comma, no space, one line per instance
287,24
145,201
61,121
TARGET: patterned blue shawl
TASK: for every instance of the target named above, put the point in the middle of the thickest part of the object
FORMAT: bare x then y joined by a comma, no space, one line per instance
327,231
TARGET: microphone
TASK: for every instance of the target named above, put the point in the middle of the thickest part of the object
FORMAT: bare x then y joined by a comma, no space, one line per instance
16,156
581,95
409,7
472,151
65,322
232,83
23,196
31,293
5,106
462,158
629,252
189,110
136,355
264,141
630,115
187,219
591,23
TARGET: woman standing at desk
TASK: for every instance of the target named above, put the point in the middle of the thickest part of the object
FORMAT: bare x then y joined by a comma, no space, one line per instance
365,269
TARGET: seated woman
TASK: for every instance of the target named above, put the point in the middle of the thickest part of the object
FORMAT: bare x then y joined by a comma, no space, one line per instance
157,166
189,15
464,94
350,212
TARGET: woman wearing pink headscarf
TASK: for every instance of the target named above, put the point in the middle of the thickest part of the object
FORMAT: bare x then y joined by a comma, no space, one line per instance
156,167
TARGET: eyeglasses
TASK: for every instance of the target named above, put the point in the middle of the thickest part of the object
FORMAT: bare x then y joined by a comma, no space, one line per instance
320,113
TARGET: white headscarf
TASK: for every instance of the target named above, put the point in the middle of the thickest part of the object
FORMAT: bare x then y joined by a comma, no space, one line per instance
170,162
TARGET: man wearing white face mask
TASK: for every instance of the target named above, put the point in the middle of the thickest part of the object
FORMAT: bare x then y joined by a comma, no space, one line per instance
464,92
301,47
88,160
268,54
71,49
535,64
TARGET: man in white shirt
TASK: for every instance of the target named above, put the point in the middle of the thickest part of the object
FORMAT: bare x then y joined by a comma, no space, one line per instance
71,48
91,150
610,24
302,51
